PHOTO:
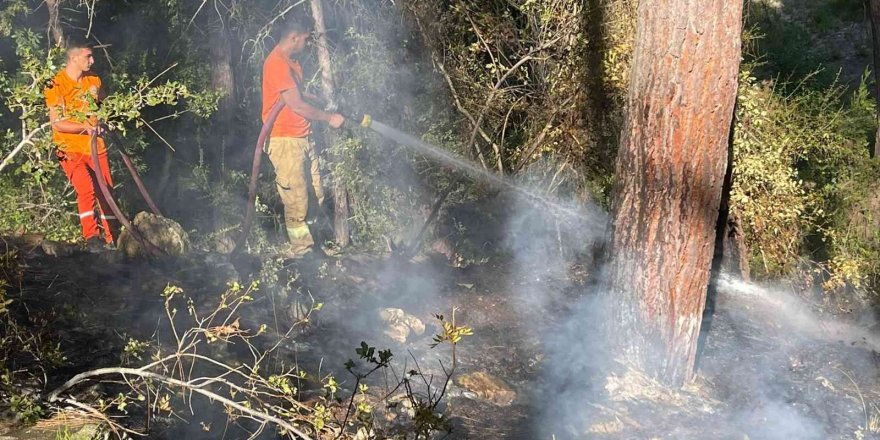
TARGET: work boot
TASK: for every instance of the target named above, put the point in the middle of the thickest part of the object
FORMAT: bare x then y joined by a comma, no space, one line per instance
294,251
330,249
95,244
309,253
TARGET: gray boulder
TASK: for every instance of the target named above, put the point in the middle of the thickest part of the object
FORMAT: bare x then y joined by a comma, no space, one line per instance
165,234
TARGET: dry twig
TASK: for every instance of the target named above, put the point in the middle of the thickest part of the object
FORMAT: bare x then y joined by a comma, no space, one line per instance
196,388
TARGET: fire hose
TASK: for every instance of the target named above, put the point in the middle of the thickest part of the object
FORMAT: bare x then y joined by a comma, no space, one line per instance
255,169
402,138
152,249
139,183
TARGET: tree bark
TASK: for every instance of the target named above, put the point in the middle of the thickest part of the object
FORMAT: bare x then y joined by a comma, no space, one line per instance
222,80
340,194
874,17
54,26
735,255
670,171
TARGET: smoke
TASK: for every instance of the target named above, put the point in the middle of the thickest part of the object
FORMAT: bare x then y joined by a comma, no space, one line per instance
774,419
772,368
809,369
542,244
755,351
548,251
575,362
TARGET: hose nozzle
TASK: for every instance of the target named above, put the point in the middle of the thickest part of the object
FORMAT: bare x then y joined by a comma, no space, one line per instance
365,120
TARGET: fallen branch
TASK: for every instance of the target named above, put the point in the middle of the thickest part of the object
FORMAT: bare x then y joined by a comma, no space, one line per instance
257,415
20,146
115,427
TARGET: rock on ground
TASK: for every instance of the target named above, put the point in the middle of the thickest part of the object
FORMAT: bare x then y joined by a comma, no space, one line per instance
400,324
166,234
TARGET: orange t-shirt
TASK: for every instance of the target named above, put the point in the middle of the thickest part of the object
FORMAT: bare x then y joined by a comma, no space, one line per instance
280,74
70,97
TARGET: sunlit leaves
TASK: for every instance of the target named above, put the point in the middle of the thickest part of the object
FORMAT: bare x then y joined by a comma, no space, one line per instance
451,333
798,162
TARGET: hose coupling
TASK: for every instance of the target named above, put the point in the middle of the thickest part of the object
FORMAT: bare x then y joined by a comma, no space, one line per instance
366,121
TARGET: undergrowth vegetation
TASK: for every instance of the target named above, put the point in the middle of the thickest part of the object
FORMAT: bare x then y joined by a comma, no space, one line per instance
801,175
804,187
267,390
216,364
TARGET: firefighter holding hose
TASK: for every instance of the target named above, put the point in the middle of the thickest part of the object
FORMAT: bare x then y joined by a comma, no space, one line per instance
297,177
68,98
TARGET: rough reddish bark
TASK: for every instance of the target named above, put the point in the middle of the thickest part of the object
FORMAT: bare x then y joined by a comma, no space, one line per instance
670,171
874,17
340,194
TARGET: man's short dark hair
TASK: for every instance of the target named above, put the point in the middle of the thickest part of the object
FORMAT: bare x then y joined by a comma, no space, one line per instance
73,47
294,26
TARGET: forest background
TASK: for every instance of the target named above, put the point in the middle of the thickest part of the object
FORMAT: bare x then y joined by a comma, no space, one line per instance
530,89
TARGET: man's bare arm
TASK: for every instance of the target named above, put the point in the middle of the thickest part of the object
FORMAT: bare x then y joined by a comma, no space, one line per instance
68,126
312,97
294,100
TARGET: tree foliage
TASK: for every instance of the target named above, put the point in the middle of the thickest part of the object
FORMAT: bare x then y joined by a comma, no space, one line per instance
803,182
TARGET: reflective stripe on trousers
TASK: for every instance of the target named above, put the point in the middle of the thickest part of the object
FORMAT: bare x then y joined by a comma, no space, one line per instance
298,181
81,172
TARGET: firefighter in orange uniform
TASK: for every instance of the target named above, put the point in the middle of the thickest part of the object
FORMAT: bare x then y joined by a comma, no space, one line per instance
68,98
289,149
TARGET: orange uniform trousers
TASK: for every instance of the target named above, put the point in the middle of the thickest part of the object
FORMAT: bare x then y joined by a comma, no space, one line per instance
80,170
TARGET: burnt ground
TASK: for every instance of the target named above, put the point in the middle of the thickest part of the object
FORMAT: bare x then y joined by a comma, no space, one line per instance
770,368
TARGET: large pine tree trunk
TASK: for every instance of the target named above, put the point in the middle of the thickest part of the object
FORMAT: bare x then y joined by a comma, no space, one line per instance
874,16
340,194
670,170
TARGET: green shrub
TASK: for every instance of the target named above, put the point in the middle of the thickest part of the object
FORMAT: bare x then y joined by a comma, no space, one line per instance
803,180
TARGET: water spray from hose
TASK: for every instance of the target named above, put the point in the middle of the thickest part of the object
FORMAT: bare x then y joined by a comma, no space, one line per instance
467,166
437,153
